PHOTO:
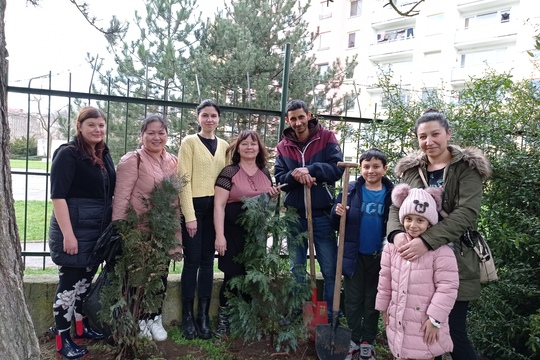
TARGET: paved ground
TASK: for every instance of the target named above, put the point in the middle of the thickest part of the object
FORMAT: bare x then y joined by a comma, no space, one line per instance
36,262
32,189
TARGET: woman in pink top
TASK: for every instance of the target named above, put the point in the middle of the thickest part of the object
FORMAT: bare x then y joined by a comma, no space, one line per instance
415,297
247,176
137,174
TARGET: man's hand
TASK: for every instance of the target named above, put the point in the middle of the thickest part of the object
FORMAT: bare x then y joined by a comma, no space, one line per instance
413,249
303,177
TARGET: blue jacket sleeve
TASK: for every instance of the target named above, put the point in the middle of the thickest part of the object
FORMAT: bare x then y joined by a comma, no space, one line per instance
283,171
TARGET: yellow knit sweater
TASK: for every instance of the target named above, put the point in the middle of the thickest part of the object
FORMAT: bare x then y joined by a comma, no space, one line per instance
200,169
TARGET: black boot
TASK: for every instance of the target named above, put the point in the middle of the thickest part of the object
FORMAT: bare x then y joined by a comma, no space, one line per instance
203,320
83,330
188,325
66,347
223,328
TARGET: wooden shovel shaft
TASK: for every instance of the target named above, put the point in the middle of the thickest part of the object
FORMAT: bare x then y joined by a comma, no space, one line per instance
311,243
341,238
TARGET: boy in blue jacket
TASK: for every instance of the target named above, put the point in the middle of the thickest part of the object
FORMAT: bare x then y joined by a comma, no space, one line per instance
368,206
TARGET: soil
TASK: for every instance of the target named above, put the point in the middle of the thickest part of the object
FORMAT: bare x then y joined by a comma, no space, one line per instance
169,350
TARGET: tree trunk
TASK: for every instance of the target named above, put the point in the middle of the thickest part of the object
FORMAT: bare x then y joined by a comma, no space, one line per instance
17,336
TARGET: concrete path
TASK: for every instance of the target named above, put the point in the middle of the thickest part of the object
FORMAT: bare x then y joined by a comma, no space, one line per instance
30,187
36,262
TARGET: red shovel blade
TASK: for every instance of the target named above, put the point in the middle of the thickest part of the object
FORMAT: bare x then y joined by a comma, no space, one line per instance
315,313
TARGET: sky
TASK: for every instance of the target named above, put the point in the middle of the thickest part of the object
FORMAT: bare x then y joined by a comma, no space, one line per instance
55,37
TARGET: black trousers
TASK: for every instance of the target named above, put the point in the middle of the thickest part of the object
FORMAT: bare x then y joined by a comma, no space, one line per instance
463,348
73,286
198,272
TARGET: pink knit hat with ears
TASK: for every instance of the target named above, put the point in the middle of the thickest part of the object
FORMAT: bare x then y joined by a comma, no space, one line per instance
423,202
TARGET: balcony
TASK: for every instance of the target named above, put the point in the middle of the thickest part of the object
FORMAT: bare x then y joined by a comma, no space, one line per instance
486,36
468,6
387,18
392,50
462,74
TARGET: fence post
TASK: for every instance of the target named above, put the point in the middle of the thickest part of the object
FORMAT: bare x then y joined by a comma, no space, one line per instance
285,87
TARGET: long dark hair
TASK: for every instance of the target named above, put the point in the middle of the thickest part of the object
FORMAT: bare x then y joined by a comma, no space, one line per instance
96,154
244,134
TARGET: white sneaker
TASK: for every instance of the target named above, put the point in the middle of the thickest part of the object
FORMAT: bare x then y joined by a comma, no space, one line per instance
367,351
144,328
353,348
156,328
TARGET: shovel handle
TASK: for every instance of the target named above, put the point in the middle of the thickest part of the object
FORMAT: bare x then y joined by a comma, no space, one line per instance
307,193
341,238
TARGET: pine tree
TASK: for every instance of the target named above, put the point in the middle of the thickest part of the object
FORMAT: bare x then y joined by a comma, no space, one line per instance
273,294
153,65
246,40
135,286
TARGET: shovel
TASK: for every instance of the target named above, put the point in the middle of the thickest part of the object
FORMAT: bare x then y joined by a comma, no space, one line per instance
315,312
332,342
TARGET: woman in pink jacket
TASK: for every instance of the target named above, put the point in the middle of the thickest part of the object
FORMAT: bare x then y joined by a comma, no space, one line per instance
415,297
137,174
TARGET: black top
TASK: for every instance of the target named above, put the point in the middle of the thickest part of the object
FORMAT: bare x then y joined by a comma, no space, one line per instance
211,144
73,175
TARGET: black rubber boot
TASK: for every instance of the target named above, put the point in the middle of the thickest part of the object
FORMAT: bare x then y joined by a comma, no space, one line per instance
66,347
223,327
83,330
203,320
188,321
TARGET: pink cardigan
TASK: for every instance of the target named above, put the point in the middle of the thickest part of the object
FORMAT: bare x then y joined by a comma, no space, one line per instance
132,183
412,291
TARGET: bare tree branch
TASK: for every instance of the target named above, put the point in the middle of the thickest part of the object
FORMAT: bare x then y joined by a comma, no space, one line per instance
409,13
115,30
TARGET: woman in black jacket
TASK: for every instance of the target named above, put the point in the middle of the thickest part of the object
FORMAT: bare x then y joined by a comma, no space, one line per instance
82,186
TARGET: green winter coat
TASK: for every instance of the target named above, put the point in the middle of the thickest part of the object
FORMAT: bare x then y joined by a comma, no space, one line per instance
461,200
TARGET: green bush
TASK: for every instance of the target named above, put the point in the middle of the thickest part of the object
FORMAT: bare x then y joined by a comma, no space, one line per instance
19,147
499,116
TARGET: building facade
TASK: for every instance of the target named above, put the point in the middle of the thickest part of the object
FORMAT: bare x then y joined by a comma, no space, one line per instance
441,47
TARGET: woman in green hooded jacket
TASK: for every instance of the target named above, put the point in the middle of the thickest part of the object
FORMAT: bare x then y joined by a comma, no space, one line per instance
460,172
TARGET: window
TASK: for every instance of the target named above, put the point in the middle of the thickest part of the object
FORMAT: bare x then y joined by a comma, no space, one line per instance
434,24
432,60
356,8
323,69
324,41
326,10
429,94
395,35
320,101
494,17
349,101
352,40
485,57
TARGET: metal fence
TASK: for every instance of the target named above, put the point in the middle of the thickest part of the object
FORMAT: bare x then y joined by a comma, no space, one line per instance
123,118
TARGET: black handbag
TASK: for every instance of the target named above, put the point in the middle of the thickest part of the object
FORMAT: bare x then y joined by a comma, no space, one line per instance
108,244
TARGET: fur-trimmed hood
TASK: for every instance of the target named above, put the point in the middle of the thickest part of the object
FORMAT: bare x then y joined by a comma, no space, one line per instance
474,157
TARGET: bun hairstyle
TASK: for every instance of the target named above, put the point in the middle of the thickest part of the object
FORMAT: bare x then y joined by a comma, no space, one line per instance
423,202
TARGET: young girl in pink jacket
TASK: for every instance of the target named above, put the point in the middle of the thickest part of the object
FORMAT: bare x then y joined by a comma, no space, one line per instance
415,297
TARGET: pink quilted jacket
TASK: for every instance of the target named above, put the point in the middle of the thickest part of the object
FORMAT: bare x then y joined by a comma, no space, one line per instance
133,183
412,291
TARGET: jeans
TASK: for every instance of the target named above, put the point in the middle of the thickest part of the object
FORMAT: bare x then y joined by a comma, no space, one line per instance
360,295
198,272
325,248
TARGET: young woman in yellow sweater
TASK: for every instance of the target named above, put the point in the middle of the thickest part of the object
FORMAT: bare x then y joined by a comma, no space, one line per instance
201,158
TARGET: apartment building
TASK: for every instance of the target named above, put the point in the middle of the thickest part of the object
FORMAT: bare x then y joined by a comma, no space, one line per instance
445,44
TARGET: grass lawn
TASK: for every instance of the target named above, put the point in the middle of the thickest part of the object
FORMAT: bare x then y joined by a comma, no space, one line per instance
32,164
37,223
